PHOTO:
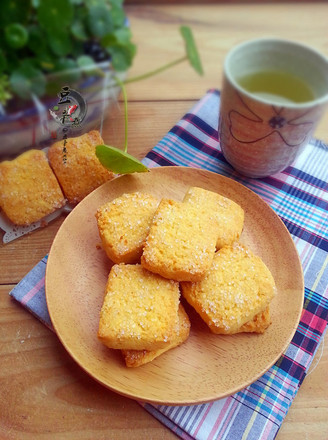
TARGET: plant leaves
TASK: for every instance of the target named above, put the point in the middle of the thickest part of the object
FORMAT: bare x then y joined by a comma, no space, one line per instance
60,43
123,35
37,40
78,30
55,15
118,161
109,40
100,21
45,62
88,65
191,49
27,80
13,11
86,61
92,3
16,35
118,37
5,94
122,55
3,61
118,13
67,71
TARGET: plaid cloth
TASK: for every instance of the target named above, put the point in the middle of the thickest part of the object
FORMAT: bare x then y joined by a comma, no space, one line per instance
299,195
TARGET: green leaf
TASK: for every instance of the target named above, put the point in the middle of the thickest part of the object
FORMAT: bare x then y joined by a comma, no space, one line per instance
77,49
13,11
123,35
67,70
118,14
3,61
109,40
5,94
60,43
191,49
45,62
85,61
55,15
27,80
93,3
13,61
118,161
117,3
37,40
16,35
100,21
118,37
88,66
78,30
122,56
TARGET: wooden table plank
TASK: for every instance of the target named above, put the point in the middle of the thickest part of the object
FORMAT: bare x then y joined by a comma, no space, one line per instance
217,28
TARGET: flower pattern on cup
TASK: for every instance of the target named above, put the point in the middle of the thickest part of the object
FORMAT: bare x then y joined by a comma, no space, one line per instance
293,132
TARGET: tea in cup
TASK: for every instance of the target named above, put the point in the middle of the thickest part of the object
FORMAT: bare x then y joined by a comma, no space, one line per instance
274,94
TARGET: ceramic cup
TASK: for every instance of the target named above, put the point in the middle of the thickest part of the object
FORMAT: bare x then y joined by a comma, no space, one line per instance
259,134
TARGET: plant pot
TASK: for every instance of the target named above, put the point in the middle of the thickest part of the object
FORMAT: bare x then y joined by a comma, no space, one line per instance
31,124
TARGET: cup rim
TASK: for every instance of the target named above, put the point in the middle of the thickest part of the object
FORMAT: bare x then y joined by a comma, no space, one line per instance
297,105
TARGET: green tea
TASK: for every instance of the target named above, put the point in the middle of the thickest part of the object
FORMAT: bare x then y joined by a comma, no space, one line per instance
277,86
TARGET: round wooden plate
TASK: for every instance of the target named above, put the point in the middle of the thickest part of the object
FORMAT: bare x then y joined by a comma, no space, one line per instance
207,366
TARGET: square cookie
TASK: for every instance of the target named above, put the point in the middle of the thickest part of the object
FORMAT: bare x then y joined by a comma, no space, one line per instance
237,287
29,188
80,172
140,309
136,358
124,224
181,242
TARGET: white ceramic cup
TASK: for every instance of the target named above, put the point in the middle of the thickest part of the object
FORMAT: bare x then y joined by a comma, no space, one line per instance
260,136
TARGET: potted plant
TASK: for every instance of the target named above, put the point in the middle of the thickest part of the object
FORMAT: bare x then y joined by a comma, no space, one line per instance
82,44
50,43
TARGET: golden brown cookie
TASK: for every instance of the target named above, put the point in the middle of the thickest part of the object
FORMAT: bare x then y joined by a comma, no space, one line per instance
181,242
80,172
258,324
29,188
237,287
140,309
136,358
124,224
229,215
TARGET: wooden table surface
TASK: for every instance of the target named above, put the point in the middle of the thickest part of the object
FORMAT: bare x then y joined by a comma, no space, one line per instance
43,393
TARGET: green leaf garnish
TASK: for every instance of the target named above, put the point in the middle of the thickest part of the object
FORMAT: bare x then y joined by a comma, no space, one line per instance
191,49
118,161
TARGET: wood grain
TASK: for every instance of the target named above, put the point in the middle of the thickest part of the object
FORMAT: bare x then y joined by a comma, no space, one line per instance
37,376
